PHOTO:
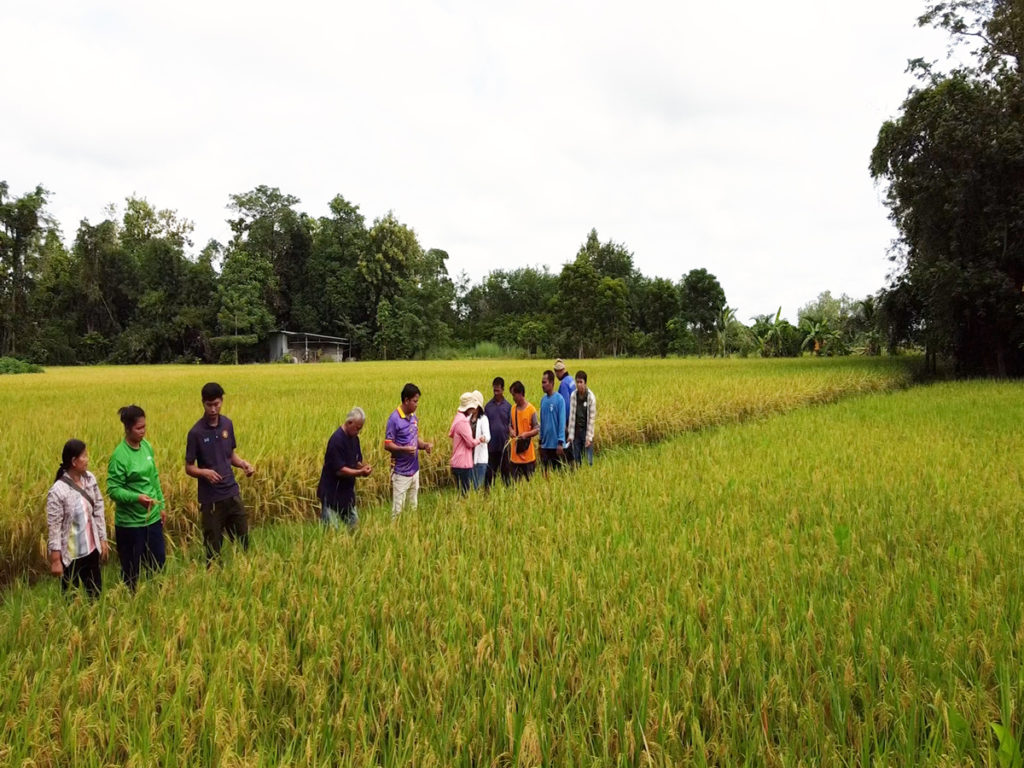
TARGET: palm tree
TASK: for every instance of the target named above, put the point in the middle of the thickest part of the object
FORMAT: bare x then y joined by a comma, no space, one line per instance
773,337
819,334
722,323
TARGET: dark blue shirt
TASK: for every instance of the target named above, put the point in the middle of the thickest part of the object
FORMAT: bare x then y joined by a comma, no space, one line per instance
334,490
211,448
498,417
566,388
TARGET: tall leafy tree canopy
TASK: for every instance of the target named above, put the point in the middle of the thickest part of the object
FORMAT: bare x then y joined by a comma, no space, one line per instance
952,164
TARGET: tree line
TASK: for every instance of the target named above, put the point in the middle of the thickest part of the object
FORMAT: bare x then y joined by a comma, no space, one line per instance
128,290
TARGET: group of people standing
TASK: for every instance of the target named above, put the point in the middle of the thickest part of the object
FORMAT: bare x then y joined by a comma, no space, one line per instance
76,521
489,441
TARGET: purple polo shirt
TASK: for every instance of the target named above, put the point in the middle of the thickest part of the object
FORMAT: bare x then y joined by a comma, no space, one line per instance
403,429
211,448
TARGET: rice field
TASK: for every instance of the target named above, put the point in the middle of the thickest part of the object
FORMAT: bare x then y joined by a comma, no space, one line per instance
836,586
284,414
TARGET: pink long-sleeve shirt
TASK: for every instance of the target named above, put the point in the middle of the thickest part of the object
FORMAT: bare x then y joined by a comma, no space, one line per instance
463,442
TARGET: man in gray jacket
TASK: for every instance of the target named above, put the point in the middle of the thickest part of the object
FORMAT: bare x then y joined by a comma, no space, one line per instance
582,415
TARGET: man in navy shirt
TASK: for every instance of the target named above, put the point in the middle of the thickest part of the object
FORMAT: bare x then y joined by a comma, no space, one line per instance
499,415
566,387
343,463
210,454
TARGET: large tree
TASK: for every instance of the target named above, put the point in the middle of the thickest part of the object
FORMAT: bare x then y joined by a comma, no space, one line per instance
701,301
23,225
953,166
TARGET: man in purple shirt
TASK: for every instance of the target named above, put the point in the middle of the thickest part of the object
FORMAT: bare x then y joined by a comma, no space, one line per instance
210,454
499,415
402,441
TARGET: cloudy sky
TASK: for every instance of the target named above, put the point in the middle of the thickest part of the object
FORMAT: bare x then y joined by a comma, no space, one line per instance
732,136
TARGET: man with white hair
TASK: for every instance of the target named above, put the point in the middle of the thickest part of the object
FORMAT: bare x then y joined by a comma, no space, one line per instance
343,463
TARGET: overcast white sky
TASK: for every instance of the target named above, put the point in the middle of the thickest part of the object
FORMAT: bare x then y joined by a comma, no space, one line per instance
732,136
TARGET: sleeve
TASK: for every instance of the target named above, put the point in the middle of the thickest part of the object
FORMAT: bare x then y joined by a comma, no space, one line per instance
591,417
464,433
390,433
156,479
563,417
234,443
333,458
569,421
191,448
98,508
54,518
117,482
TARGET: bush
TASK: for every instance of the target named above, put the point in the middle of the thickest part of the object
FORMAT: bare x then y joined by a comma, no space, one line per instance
14,365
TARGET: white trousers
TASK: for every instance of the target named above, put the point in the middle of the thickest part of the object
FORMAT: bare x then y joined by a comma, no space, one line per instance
404,491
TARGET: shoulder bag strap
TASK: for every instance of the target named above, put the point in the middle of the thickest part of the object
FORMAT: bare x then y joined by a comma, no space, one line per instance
81,491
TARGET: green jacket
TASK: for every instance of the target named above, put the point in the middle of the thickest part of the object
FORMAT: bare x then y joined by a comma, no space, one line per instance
132,472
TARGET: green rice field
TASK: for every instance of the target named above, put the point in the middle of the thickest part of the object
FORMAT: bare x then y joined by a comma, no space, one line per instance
821,586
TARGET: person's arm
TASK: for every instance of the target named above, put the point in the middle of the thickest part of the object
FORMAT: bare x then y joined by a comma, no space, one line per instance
485,431
464,433
99,515
423,445
591,419
117,483
192,469
54,519
242,464
570,420
534,426
211,476
560,417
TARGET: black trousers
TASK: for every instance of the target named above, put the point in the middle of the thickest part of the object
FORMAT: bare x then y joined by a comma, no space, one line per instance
84,572
523,471
498,463
140,547
549,459
220,517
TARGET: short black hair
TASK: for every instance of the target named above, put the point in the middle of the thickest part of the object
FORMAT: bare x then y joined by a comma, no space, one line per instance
498,382
581,375
549,375
517,387
130,414
409,391
211,391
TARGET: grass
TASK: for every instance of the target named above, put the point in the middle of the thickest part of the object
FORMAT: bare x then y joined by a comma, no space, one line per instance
283,416
837,586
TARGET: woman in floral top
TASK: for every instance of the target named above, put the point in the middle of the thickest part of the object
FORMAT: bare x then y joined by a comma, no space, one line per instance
77,539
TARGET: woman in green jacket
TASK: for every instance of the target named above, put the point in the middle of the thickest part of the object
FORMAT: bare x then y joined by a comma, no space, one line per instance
134,485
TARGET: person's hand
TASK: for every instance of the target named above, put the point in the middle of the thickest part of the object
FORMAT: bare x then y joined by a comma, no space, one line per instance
429,447
104,552
56,566
163,516
560,450
248,468
212,476
148,502
367,470
589,443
